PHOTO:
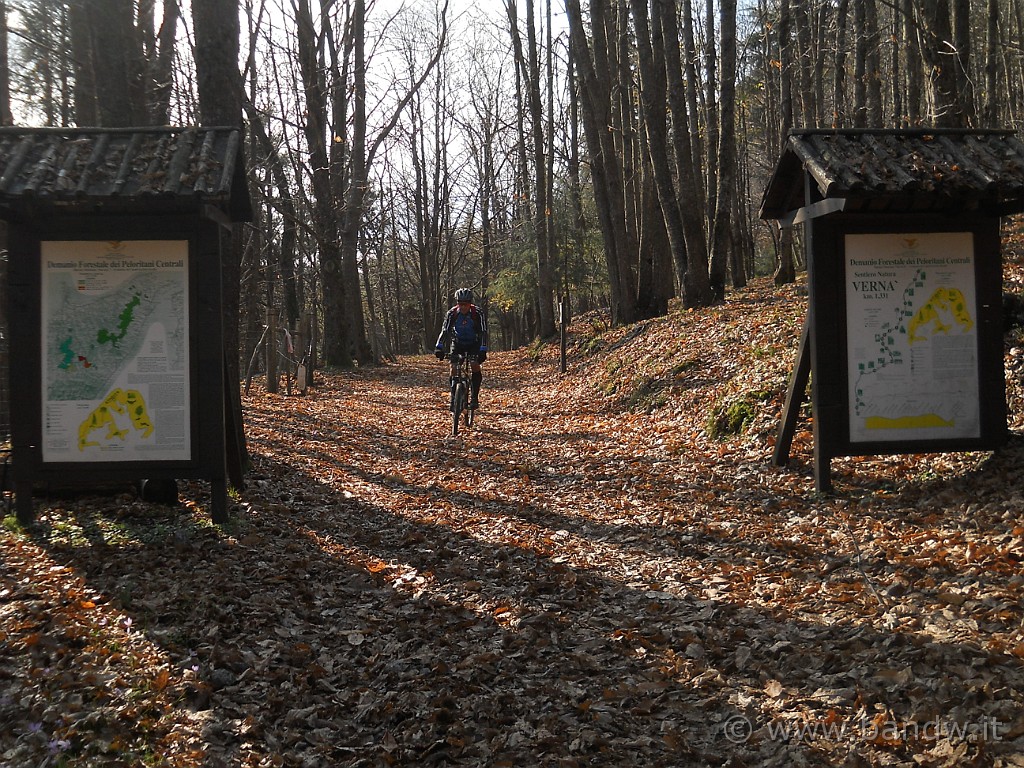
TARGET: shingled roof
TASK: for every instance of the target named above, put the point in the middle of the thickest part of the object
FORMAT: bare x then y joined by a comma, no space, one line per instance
116,170
899,171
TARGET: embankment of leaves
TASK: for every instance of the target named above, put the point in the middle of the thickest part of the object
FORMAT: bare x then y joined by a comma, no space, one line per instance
725,367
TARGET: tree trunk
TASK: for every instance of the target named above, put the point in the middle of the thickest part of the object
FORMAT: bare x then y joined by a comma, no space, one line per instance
81,64
355,196
324,220
624,130
161,67
860,66
839,98
821,47
653,91
990,116
785,270
111,33
271,160
6,117
542,206
721,233
696,283
895,82
693,137
873,74
595,77
654,282
575,186
220,89
912,65
528,64
945,110
962,55
805,78
712,129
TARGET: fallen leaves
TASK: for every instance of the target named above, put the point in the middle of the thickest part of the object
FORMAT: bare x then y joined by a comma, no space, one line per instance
582,578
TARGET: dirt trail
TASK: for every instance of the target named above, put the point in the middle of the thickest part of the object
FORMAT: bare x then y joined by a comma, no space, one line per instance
596,598
566,583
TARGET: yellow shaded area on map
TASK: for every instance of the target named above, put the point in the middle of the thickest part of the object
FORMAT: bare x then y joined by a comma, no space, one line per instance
925,420
946,306
124,402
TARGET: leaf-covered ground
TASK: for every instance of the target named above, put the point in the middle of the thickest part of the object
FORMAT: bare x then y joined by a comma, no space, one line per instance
586,577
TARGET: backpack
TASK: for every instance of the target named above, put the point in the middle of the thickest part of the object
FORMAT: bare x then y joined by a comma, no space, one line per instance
474,313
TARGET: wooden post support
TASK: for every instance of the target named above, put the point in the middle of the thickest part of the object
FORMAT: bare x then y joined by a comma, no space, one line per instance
219,501
822,465
23,502
563,330
794,398
271,349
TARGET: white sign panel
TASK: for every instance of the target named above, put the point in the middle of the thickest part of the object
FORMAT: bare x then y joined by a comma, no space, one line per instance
115,351
912,336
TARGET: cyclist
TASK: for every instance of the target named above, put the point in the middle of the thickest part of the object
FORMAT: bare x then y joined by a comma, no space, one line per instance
465,330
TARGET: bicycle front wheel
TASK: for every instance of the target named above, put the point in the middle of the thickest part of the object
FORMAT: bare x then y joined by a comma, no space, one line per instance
458,405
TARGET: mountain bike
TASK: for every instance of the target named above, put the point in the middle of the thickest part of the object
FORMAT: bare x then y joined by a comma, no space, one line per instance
460,390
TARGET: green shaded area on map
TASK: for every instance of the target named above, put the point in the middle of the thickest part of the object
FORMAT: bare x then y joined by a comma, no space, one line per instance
93,337
103,336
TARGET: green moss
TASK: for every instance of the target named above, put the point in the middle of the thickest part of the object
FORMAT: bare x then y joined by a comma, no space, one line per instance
593,345
732,417
683,366
650,394
536,349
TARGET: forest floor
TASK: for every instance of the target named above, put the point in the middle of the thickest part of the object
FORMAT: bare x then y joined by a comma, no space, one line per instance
587,577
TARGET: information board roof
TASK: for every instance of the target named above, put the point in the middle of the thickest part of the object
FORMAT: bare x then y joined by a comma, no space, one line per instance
895,171
124,169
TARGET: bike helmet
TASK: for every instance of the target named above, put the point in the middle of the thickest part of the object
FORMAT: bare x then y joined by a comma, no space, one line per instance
464,295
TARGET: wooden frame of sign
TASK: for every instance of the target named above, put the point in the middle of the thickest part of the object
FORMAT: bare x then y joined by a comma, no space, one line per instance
77,284
903,338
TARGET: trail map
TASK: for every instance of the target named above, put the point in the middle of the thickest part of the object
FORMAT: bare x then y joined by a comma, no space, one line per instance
115,351
912,337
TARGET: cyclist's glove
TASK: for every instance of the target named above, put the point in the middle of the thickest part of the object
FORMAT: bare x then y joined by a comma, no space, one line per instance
482,357
439,353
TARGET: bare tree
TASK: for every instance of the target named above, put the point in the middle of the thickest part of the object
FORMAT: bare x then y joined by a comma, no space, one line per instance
595,75
113,53
158,51
650,44
696,283
6,116
342,150
935,25
722,236
785,269
839,98
993,65
528,64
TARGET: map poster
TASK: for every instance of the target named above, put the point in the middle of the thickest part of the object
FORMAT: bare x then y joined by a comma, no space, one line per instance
115,351
912,337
